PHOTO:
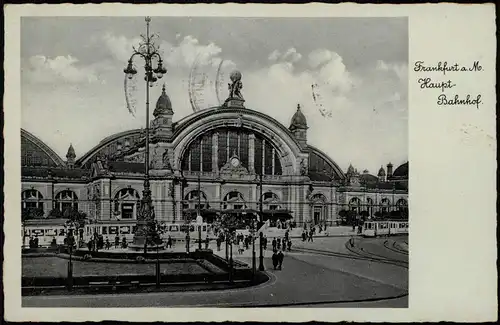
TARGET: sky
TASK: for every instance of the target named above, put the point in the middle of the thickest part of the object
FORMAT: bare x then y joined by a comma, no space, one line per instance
350,76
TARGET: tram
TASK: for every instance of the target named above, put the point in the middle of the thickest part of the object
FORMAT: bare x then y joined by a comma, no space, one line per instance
45,231
385,228
48,230
123,229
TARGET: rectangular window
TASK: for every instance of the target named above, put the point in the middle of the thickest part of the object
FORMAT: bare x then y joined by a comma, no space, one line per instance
244,149
185,162
277,164
195,156
127,211
207,153
258,156
233,143
104,230
268,160
222,149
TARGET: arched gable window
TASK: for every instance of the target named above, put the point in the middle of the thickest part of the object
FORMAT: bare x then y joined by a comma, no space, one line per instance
192,199
354,204
270,201
66,200
31,199
126,203
384,205
402,205
234,200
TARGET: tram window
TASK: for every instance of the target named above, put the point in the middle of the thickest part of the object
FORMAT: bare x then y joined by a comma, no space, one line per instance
204,228
104,230
191,228
61,232
184,228
174,228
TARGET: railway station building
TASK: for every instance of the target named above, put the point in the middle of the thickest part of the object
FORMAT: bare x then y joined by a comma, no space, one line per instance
211,162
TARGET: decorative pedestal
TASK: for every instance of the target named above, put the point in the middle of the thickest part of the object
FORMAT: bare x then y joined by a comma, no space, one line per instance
235,102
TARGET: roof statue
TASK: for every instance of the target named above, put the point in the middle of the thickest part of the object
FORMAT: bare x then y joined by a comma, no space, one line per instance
236,85
163,105
298,120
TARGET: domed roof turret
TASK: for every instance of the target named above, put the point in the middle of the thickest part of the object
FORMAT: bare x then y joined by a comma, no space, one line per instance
350,170
71,152
298,120
163,105
402,170
381,171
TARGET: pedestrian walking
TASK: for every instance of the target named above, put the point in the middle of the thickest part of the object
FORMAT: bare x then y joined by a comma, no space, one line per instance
304,236
275,259
289,245
265,242
280,260
274,244
169,242
117,241
108,244
218,243
241,249
310,239
279,244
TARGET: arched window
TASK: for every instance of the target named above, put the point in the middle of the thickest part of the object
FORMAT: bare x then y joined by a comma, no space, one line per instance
234,200
354,204
66,200
270,201
200,155
402,206
384,205
192,199
126,203
31,199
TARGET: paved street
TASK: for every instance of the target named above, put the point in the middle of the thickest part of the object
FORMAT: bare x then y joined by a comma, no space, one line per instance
307,279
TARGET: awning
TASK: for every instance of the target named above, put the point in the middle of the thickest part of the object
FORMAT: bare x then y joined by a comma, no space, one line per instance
278,214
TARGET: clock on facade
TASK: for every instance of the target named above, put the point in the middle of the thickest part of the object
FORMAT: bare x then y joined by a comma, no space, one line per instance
235,162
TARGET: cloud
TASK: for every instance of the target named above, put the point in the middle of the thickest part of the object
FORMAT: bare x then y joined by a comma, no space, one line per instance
120,46
400,69
188,51
291,55
320,56
42,69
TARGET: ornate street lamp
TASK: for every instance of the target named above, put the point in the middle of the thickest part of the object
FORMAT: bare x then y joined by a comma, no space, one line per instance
148,51
261,235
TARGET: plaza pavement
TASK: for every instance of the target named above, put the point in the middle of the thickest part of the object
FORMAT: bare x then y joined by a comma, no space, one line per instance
306,280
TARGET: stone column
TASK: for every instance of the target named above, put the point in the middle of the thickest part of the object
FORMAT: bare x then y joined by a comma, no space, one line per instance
251,153
215,152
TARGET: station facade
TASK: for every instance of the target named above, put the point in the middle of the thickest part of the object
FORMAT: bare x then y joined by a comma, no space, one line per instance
224,159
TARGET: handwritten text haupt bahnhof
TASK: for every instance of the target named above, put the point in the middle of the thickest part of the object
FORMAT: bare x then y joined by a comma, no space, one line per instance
446,99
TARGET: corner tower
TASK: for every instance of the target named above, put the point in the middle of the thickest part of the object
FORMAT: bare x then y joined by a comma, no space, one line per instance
70,156
298,127
163,113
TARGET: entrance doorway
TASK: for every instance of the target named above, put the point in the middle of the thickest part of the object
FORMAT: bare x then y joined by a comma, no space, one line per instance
317,215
